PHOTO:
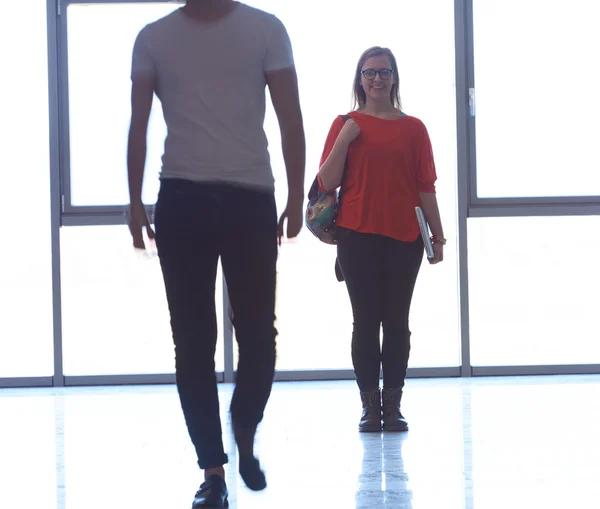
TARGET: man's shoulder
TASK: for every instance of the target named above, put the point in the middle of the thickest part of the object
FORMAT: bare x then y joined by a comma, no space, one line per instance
166,23
257,15
173,18
250,10
247,15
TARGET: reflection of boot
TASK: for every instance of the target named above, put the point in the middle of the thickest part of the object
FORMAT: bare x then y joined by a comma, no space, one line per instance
392,417
369,492
370,420
397,491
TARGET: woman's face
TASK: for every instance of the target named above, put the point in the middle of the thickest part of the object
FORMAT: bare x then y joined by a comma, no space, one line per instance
377,78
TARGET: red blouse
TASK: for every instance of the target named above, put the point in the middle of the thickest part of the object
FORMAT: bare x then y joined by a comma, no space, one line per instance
389,164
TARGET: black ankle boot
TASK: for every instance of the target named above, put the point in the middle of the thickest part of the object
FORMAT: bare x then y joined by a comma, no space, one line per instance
393,420
370,420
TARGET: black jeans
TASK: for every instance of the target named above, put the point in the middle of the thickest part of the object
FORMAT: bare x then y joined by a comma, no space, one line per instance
380,274
196,223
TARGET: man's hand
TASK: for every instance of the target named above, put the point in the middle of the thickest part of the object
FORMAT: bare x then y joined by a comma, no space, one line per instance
138,220
283,86
294,214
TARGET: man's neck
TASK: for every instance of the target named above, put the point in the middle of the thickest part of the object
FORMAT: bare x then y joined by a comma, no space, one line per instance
209,10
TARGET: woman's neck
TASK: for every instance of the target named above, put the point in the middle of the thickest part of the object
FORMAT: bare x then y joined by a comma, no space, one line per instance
379,108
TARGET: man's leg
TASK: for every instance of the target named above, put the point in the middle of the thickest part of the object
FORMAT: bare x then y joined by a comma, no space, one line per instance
249,260
188,248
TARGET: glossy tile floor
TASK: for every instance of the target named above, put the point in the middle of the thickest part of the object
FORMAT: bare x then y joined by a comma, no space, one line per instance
484,443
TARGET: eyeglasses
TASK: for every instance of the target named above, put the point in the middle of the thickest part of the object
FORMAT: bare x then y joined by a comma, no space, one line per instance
384,74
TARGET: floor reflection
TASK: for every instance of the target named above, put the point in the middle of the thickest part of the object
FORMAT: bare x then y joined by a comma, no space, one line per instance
383,481
461,452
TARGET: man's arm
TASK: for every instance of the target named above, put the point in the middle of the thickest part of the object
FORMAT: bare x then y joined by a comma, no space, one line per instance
142,94
283,86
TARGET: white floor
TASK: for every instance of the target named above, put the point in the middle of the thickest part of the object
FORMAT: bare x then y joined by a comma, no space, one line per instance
485,443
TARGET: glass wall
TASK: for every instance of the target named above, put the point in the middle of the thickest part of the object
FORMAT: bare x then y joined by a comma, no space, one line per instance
533,298
531,286
537,98
100,102
26,334
115,313
310,338
529,142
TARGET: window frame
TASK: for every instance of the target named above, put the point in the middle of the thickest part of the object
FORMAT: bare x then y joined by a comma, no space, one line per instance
65,214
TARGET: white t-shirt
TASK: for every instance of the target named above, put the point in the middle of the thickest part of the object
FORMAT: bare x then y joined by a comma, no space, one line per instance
211,80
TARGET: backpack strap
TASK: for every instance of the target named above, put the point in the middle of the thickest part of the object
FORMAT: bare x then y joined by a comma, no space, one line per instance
346,118
338,270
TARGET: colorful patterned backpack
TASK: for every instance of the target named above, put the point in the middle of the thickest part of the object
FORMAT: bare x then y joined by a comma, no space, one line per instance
322,210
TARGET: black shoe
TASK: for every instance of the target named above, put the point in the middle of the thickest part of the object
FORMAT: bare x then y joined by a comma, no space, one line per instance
370,420
393,420
252,474
249,467
212,494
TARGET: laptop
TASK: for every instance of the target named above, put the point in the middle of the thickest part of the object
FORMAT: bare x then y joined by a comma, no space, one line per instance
424,227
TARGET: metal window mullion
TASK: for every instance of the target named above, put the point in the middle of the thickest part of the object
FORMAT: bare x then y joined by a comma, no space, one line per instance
537,370
534,201
55,185
63,124
534,211
464,165
26,382
468,51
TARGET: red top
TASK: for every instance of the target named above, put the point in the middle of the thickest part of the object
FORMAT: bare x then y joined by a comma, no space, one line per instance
389,164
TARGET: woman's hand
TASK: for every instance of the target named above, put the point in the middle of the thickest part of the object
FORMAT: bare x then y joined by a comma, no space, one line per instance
332,170
349,132
438,253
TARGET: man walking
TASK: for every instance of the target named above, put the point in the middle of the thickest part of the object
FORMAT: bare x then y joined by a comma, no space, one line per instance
209,64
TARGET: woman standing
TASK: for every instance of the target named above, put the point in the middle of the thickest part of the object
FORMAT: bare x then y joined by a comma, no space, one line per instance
390,171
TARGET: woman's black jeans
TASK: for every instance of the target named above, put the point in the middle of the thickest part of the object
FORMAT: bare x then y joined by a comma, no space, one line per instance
196,223
380,274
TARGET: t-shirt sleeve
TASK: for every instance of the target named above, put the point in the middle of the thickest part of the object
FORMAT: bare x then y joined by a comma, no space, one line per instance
142,62
279,54
424,162
334,132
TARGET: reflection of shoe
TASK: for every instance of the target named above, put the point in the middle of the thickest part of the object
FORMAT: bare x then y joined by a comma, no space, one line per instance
249,466
212,494
370,420
393,420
